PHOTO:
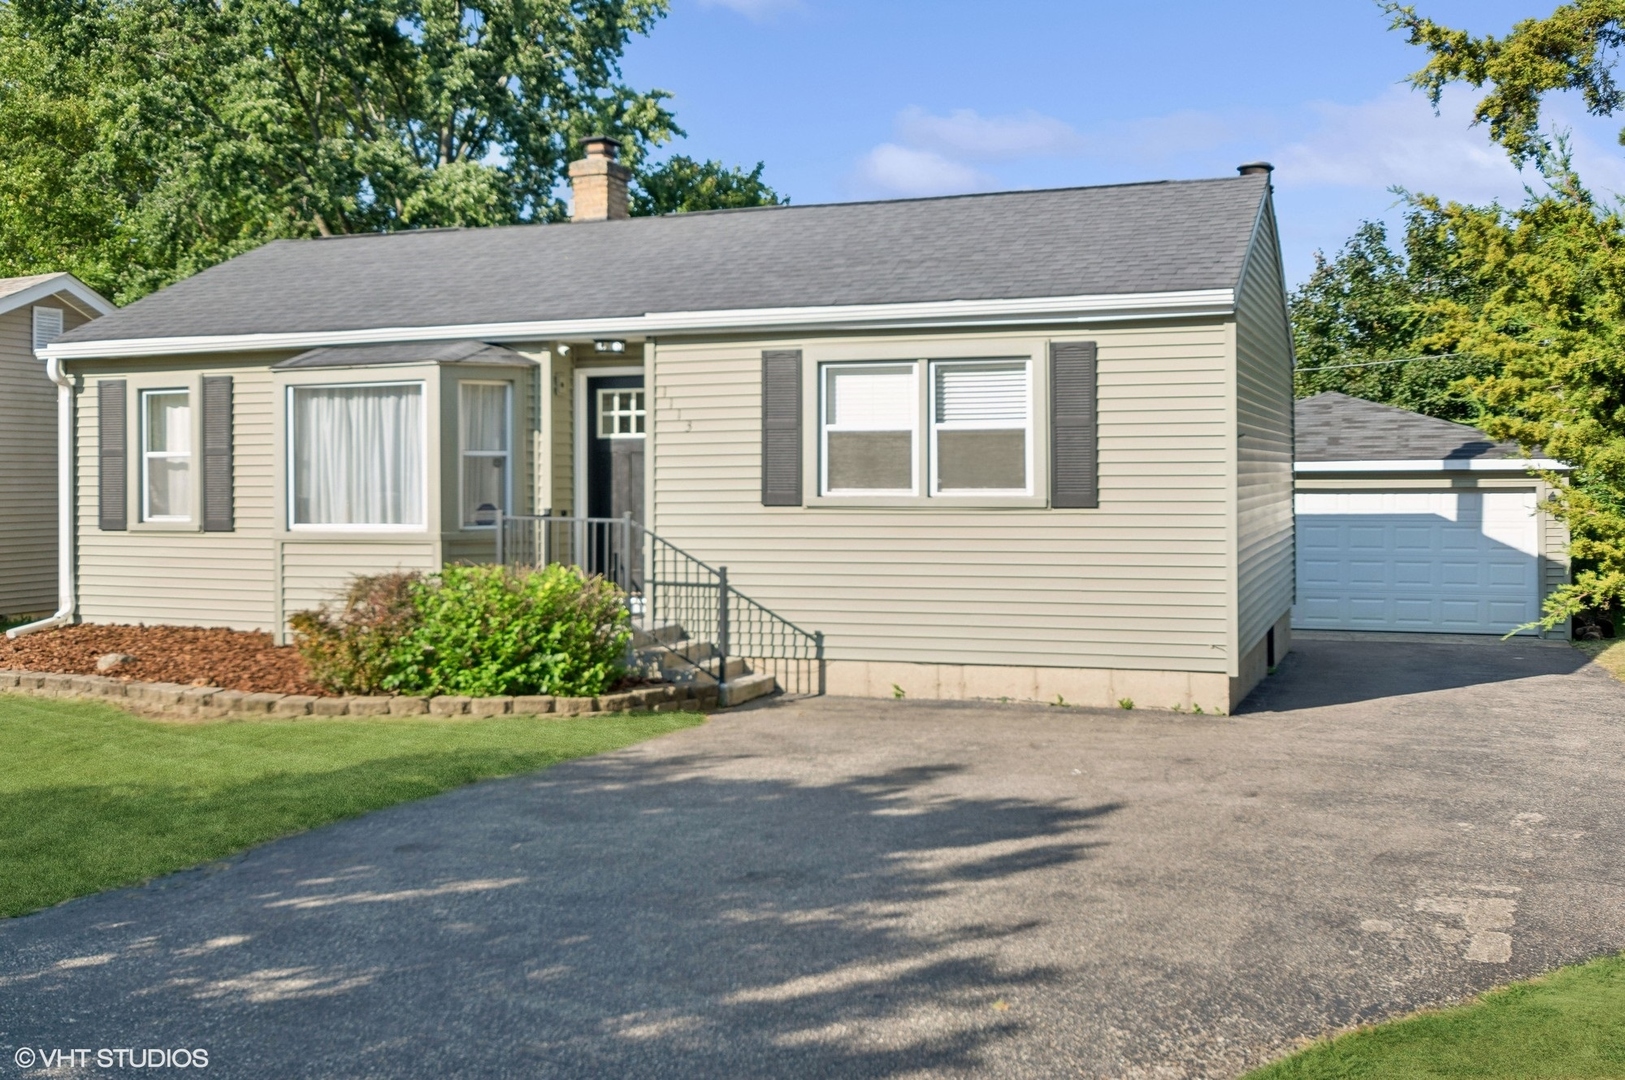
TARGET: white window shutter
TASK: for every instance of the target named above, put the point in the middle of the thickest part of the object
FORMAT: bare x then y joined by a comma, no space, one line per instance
47,326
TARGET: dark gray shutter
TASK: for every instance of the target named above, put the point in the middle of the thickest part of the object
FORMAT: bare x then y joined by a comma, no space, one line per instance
781,427
112,455
1074,473
217,509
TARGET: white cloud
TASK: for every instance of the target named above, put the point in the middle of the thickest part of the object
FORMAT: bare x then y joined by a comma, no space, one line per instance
904,170
1397,140
965,134
756,10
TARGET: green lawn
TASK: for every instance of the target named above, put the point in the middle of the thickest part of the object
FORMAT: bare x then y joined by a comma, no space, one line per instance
1610,654
1569,1025
92,797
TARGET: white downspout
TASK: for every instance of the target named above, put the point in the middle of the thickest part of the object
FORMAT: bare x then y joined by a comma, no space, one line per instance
64,504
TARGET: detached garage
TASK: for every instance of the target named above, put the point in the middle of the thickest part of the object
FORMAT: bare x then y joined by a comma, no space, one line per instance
1410,523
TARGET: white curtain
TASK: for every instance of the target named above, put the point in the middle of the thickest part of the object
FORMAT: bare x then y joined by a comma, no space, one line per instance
358,455
485,416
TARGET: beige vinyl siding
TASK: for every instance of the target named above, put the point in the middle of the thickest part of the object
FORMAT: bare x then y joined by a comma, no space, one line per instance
315,572
185,578
1264,408
1554,548
1142,582
28,478
563,451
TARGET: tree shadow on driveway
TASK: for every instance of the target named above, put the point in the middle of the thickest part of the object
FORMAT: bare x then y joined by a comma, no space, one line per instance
692,916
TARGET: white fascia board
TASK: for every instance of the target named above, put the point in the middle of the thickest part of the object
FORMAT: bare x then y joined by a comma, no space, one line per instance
1212,303
58,283
1515,465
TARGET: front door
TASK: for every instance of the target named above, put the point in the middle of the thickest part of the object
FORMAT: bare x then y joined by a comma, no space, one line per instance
616,421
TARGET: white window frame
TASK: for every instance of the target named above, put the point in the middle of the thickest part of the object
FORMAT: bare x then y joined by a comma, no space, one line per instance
148,455
463,452
423,471
598,412
1025,426
824,428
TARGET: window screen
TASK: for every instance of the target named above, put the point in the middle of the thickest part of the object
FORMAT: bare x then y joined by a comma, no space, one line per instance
870,416
166,455
980,426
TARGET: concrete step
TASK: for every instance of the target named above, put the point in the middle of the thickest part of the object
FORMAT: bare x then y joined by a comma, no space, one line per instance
677,656
746,688
665,634
704,671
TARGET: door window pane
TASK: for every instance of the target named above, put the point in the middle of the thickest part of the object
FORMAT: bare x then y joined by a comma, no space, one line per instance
358,455
870,417
484,416
166,455
980,426
621,414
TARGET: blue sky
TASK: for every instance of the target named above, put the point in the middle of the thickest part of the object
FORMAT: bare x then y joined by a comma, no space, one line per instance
845,99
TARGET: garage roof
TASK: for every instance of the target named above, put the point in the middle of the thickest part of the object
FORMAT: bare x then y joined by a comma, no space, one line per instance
1336,427
1122,239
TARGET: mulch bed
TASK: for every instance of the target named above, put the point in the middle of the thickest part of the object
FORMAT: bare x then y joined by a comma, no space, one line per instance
245,660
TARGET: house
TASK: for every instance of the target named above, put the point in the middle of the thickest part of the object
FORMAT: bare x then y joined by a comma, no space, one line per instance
34,311
1032,445
1410,523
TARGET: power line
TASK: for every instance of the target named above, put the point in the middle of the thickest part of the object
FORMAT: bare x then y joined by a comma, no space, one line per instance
1381,363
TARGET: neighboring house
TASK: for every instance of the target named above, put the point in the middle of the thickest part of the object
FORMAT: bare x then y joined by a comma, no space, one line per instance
1407,522
34,311
1031,445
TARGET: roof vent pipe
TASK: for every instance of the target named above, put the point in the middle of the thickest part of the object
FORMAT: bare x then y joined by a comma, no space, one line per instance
599,181
1255,168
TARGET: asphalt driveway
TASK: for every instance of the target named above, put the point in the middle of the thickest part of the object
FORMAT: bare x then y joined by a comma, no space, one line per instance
852,888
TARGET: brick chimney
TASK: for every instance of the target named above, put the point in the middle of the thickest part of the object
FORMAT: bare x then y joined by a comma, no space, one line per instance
599,181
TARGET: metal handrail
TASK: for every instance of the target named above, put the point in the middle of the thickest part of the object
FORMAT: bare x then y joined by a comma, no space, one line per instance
666,585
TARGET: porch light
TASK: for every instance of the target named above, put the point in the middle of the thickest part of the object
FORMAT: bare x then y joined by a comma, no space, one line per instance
610,346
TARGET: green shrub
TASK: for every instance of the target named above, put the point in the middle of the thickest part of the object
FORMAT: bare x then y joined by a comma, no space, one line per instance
476,630
354,650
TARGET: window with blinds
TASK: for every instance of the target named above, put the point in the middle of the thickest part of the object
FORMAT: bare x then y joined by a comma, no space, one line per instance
981,427
871,413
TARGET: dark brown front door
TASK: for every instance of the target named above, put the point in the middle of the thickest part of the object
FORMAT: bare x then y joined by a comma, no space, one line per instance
617,418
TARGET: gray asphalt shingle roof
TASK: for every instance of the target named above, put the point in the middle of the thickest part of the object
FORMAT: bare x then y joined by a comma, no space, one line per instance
1134,238
410,352
1336,427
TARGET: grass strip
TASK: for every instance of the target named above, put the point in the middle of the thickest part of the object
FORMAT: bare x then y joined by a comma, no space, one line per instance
1609,654
1568,1025
92,798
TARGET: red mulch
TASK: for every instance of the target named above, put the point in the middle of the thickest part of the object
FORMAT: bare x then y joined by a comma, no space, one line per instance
243,660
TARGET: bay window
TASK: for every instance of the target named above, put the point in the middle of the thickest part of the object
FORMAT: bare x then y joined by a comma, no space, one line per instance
485,432
166,455
357,456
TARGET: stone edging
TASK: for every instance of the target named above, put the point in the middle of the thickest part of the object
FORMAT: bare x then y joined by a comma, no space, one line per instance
173,699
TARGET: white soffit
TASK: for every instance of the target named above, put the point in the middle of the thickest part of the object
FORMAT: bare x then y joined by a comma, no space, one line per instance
1111,307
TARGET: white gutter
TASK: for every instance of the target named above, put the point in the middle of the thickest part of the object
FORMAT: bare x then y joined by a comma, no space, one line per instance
1516,465
64,504
1053,309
